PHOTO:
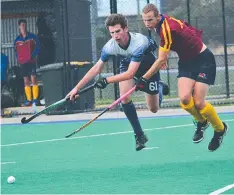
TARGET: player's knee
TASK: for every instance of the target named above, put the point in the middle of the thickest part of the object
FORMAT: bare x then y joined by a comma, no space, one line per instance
34,81
126,101
153,109
200,104
26,83
184,99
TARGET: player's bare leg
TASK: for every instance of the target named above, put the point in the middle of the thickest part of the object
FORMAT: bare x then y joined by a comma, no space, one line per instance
185,89
208,111
152,102
130,111
199,95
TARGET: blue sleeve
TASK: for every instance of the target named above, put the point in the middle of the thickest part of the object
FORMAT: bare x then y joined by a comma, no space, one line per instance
138,54
4,66
37,49
104,55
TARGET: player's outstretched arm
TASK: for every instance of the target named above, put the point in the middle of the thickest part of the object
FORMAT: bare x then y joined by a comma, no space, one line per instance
162,59
129,74
92,73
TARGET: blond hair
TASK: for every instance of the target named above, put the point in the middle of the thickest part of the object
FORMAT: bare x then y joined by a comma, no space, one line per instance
150,7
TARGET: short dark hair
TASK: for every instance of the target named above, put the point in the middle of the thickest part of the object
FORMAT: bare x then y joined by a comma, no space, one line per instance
150,7
22,21
114,19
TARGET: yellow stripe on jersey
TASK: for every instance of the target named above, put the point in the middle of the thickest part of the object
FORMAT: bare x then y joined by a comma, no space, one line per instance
169,34
166,36
165,48
178,21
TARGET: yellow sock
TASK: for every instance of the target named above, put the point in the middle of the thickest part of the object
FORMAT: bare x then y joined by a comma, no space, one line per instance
209,112
190,108
35,92
28,93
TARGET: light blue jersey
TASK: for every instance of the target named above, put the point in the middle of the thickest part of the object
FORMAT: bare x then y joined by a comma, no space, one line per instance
135,51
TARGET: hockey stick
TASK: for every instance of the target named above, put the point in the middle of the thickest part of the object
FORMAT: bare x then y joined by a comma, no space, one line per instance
107,109
24,120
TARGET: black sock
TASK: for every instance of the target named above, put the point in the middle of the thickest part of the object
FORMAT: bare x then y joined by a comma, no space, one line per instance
130,111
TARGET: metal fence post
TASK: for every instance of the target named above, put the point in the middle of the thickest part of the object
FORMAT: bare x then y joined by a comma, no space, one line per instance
113,9
62,13
67,48
188,11
225,49
113,6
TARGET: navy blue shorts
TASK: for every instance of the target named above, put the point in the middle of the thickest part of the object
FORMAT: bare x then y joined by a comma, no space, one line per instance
201,69
28,69
145,65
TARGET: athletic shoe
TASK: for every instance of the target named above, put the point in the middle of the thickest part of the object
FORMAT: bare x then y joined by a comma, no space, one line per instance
26,104
217,139
140,142
36,102
199,133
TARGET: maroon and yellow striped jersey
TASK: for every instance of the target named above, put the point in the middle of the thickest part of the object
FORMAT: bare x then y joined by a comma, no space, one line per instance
179,36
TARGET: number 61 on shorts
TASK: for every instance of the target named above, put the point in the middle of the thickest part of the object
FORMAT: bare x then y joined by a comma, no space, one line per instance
153,86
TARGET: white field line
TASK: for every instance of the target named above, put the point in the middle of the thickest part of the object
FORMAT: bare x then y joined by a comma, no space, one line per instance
222,190
150,148
98,135
4,163
90,136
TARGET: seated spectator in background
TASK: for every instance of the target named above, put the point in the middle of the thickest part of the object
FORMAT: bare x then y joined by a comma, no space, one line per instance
4,66
27,47
7,99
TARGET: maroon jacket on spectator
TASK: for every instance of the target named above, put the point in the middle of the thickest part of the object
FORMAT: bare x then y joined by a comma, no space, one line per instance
27,48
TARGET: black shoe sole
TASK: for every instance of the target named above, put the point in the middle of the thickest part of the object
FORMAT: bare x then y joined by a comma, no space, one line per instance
142,146
222,139
198,141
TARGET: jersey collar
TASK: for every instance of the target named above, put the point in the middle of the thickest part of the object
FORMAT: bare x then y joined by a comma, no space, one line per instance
129,40
158,28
